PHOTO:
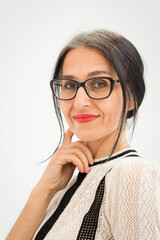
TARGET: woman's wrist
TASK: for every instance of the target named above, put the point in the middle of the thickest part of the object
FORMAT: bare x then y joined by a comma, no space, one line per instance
41,194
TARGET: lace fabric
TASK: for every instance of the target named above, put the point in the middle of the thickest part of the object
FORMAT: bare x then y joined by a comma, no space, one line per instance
130,206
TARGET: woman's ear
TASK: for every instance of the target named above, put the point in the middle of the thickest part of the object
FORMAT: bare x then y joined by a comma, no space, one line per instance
131,105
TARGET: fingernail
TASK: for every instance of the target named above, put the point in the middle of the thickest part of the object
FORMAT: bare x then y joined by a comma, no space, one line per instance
91,160
87,169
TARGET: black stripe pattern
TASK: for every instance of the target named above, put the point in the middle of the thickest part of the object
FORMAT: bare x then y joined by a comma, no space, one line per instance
90,220
65,200
116,156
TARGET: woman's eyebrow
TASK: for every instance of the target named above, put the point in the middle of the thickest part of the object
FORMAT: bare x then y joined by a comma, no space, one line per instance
92,74
67,77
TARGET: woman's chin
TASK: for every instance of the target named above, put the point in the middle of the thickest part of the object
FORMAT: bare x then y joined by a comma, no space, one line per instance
86,137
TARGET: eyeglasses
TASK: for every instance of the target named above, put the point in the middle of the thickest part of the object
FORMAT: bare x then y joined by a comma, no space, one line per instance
95,88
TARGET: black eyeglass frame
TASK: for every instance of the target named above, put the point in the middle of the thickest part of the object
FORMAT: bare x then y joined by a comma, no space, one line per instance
82,84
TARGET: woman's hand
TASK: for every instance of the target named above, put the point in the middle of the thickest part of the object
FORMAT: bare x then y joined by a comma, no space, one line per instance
56,176
63,163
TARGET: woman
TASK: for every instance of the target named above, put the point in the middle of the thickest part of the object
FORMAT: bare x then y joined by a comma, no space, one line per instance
98,84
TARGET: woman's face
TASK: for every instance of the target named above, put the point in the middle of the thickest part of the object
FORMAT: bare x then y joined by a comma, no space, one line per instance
80,64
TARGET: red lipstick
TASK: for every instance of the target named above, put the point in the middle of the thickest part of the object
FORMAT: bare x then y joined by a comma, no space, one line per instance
83,118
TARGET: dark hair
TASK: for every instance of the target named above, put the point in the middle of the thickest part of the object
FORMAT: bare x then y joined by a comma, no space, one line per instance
126,61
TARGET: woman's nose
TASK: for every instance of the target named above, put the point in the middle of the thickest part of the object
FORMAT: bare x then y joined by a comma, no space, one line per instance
82,100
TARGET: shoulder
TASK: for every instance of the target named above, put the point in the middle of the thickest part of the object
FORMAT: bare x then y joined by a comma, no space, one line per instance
134,174
135,166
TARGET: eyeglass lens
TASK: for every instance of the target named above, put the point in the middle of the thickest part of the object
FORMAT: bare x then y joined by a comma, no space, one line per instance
96,88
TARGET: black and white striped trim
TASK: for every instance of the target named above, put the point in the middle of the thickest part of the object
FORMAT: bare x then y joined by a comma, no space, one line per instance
125,154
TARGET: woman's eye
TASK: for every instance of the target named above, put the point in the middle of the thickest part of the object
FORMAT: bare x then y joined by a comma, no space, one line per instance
99,84
69,85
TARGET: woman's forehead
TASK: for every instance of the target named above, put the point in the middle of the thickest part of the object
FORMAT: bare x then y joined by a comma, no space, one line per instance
87,62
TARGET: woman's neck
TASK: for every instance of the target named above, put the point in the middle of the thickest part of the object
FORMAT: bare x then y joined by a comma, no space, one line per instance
103,147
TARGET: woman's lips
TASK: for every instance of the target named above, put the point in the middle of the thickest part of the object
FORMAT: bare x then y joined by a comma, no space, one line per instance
83,118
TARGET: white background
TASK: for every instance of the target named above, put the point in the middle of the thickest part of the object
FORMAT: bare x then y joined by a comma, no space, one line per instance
32,32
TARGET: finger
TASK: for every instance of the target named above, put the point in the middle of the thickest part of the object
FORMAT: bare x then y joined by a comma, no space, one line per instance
67,137
85,150
83,159
80,154
72,158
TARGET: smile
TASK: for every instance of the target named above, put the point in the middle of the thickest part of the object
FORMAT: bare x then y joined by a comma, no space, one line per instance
83,118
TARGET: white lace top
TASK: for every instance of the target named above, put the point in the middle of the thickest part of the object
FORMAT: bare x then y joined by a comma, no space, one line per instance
130,209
